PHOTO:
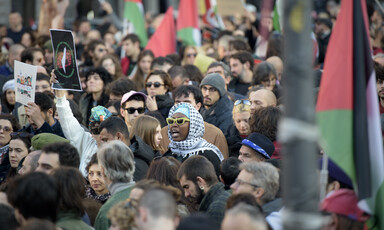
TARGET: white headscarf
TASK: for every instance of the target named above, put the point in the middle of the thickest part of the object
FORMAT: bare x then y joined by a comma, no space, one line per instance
194,143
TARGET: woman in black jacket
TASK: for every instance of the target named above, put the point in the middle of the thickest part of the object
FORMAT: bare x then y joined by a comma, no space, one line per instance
158,86
145,143
240,128
96,80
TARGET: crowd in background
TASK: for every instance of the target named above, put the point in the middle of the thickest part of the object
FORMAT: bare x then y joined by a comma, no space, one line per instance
183,141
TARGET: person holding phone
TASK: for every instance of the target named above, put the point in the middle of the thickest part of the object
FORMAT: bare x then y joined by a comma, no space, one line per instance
158,85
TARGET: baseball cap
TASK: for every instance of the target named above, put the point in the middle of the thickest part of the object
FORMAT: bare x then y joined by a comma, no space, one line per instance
260,144
130,94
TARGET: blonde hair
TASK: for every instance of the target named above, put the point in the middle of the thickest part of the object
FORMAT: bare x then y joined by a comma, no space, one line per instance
145,126
185,53
124,214
240,108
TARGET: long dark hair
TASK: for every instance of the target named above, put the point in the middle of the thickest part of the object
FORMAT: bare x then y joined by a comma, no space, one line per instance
138,78
70,186
6,107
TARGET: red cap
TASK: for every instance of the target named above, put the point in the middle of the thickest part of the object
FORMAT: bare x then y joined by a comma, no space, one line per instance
344,202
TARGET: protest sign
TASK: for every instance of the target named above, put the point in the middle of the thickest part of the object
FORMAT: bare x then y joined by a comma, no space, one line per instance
25,82
64,61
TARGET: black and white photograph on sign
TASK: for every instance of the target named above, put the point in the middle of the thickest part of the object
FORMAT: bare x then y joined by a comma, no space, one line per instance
64,58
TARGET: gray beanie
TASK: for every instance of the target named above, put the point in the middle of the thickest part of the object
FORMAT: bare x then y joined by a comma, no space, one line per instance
215,80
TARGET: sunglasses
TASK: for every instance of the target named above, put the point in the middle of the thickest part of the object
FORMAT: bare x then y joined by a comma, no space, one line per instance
179,121
245,102
191,55
132,110
156,84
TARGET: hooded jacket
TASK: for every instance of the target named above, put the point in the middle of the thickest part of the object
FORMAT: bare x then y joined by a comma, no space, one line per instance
143,154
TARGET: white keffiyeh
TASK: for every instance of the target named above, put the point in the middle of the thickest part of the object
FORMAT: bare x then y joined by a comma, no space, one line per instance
194,143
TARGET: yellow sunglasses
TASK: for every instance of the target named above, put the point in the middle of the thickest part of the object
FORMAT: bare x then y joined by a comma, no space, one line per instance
179,121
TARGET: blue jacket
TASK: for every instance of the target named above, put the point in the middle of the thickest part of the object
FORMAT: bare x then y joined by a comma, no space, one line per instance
6,69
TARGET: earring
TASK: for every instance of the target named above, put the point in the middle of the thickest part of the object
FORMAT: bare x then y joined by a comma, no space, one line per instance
202,188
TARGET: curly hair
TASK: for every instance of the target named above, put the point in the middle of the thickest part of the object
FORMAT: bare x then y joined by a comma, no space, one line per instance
265,121
124,214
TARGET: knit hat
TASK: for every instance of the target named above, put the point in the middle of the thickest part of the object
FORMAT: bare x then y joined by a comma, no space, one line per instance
336,173
10,84
344,202
215,80
99,113
260,144
130,94
43,139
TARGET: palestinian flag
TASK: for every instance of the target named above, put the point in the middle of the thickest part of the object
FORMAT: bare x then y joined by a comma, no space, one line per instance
188,30
134,13
276,17
163,41
211,17
347,108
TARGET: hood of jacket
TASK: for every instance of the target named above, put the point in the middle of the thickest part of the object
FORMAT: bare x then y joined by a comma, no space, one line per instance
141,150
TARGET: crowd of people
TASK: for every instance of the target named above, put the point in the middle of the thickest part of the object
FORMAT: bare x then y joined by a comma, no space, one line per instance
168,142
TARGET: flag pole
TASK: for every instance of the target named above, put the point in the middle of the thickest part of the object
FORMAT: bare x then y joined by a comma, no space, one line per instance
324,177
297,132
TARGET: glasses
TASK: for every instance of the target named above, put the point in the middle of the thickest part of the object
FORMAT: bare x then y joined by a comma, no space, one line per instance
241,182
179,121
132,110
211,90
245,102
15,135
191,55
6,129
156,84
